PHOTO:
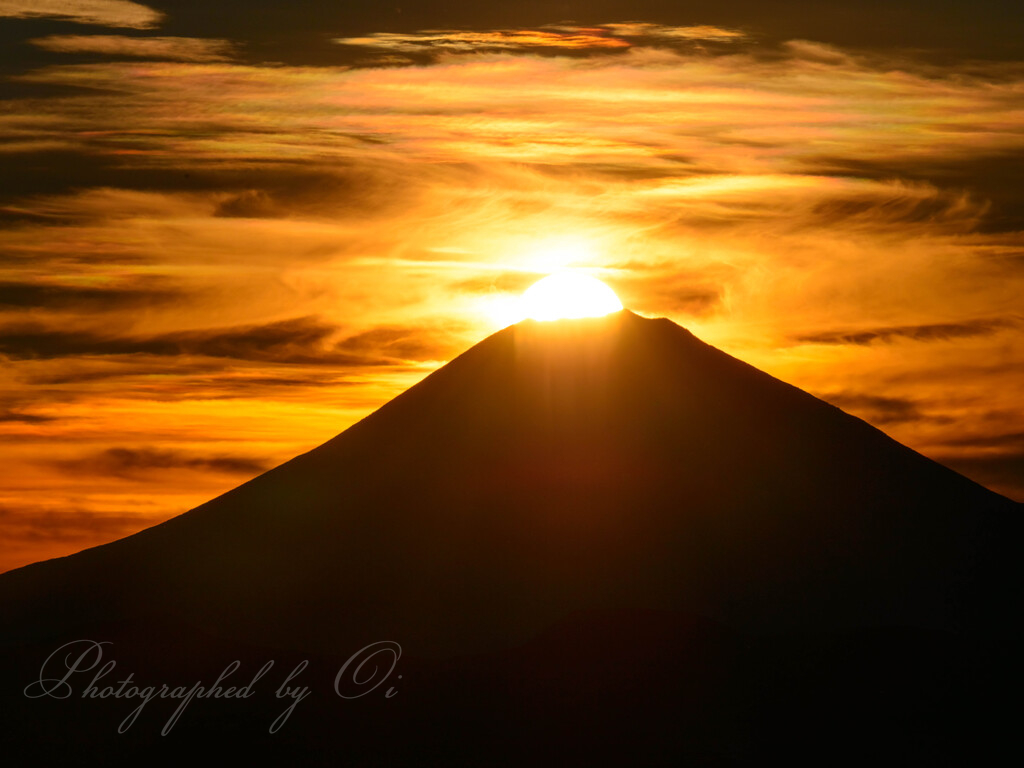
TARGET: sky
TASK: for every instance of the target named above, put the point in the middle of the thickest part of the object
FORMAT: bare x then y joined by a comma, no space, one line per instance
228,231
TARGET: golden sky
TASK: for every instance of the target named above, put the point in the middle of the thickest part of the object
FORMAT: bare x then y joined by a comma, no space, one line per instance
210,262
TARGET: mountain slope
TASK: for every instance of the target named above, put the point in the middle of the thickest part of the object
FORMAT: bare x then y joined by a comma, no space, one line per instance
609,463
597,542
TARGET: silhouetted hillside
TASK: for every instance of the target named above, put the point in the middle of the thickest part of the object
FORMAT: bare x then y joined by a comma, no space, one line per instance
594,540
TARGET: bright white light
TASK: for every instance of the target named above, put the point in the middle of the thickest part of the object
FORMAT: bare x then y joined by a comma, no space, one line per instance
567,295
560,253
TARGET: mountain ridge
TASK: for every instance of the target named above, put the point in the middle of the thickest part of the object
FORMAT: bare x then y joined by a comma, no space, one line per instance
553,458
596,542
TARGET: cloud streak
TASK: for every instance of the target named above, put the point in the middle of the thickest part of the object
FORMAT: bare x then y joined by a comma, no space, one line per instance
454,40
935,331
106,13
130,462
165,48
304,340
878,409
17,416
560,38
55,296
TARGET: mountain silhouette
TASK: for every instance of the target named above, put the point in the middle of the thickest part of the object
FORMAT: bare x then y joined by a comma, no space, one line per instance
586,535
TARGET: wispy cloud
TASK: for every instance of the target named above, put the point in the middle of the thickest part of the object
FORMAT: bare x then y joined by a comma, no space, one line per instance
643,30
303,340
69,525
34,532
296,340
130,462
934,331
553,37
1002,472
877,409
106,13
124,294
465,41
165,48
24,417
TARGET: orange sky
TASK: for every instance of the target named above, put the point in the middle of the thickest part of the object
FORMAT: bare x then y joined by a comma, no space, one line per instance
211,263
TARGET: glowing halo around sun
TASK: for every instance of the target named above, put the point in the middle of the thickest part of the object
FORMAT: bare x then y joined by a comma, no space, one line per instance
568,294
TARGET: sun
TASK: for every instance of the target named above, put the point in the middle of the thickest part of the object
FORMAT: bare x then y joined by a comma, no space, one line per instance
568,294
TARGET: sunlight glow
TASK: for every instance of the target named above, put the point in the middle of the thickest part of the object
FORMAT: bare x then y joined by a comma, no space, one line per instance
567,295
560,253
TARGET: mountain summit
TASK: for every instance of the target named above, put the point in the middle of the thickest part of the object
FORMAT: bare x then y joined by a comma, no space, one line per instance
603,470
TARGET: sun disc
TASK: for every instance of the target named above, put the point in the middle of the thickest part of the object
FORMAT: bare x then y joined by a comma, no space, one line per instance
569,295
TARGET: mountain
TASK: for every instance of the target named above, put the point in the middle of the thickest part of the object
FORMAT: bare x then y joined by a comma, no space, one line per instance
560,500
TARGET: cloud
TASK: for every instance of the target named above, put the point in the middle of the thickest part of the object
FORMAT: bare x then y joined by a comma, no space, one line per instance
876,409
106,13
252,203
129,294
165,48
16,416
299,340
1003,472
67,526
988,453
400,343
929,332
292,32
757,187
983,177
34,532
130,462
809,50
465,41
349,188
179,380
509,282
648,30
553,37
790,115
998,441
886,203
304,340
